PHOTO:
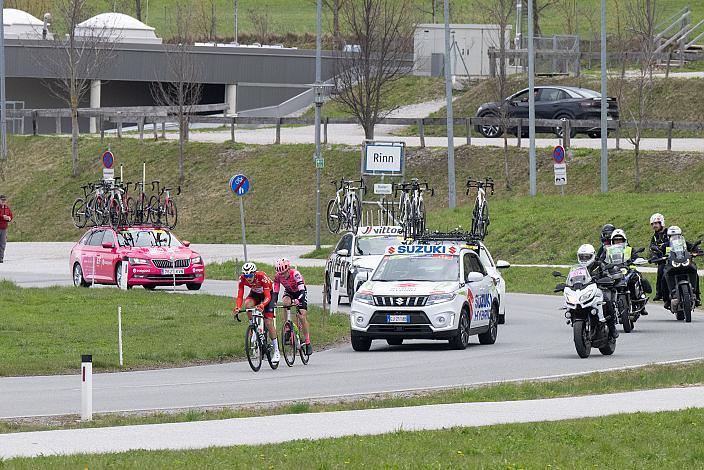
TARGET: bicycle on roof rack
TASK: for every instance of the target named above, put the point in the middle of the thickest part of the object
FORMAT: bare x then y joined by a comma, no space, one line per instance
411,206
345,209
480,214
162,208
456,235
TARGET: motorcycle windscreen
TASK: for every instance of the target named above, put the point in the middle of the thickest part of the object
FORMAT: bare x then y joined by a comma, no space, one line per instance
678,246
578,276
616,254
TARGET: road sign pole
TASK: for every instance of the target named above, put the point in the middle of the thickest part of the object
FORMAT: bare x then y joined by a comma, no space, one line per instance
244,235
531,102
318,105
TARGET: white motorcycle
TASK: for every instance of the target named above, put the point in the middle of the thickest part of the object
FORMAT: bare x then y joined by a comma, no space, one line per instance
584,309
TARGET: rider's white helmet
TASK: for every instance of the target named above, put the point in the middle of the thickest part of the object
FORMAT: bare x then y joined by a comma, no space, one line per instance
249,268
657,218
586,254
674,230
618,233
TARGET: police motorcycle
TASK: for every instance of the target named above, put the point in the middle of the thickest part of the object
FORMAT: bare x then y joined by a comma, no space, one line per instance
584,308
631,288
677,271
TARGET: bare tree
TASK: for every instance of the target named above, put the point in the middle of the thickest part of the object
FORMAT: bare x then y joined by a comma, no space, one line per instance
539,7
207,17
334,6
381,34
428,7
138,9
182,91
643,19
261,22
75,59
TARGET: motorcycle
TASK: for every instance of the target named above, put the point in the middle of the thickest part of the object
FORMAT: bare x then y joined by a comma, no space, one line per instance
584,309
630,291
678,269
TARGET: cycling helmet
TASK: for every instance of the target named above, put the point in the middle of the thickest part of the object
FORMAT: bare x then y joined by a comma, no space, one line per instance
606,232
618,233
282,265
657,218
586,254
248,269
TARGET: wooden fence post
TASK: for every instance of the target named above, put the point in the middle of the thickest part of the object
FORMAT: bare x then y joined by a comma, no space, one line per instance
101,123
325,131
421,131
156,131
278,131
232,130
669,136
469,133
35,124
58,124
467,125
140,126
163,129
519,134
119,129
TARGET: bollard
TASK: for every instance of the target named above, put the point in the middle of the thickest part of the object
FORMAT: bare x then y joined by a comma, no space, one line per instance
119,332
92,274
86,387
421,132
124,272
156,131
335,294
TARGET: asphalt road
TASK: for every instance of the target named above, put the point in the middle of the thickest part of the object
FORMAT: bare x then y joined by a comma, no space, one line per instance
535,342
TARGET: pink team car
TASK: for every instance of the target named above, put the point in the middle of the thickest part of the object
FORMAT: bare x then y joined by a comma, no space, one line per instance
155,257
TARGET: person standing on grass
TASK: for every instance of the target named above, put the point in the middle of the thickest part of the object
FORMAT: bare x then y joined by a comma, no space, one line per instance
5,219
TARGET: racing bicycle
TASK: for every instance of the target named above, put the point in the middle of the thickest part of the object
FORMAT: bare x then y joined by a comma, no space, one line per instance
345,209
162,208
291,338
82,212
256,340
412,207
480,214
121,206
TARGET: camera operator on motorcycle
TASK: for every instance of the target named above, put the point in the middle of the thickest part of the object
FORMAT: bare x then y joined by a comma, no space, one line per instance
586,256
606,232
674,235
618,238
658,249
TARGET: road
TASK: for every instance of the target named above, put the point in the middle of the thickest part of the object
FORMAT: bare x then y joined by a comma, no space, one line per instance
534,343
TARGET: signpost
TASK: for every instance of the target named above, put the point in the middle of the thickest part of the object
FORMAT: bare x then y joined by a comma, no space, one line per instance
560,167
108,170
239,184
383,158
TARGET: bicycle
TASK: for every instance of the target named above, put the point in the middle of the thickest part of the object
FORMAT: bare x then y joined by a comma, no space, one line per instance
167,209
120,205
411,206
256,340
345,209
480,214
81,213
99,207
141,213
291,338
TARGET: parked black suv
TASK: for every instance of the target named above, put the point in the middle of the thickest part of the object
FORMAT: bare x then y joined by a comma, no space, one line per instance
551,102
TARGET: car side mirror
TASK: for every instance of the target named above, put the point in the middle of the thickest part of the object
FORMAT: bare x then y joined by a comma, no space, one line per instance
186,243
108,245
501,264
640,261
557,274
474,276
343,252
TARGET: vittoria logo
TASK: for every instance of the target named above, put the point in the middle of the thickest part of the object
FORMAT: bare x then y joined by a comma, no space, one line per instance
383,230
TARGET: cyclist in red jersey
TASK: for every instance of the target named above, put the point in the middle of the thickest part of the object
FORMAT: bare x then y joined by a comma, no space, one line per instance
294,293
259,297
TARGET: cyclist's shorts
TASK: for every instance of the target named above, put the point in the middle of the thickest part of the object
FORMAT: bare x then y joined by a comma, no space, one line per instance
258,299
300,296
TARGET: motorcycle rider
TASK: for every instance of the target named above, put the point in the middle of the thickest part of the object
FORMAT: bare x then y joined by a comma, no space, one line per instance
586,256
618,237
606,232
674,234
658,246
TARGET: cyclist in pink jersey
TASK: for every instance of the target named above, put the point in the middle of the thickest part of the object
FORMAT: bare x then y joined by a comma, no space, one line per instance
294,294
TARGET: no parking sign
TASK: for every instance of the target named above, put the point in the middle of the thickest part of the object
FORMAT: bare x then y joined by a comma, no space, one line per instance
560,167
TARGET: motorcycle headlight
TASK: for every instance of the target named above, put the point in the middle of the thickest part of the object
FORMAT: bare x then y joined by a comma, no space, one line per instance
138,261
675,264
364,298
571,298
439,298
686,263
586,296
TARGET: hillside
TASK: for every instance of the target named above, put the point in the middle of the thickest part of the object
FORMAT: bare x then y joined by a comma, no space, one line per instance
281,205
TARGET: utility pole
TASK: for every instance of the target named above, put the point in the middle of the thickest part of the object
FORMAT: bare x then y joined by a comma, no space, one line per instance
604,106
318,105
531,102
450,121
236,18
3,112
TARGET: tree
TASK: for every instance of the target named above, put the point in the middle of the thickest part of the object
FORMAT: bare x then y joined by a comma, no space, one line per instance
261,22
138,9
183,90
538,7
334,6
381,34
74,59
208,19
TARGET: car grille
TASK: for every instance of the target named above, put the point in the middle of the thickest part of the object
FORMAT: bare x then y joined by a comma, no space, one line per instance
399,329
169,277
167,263
391,301
380,317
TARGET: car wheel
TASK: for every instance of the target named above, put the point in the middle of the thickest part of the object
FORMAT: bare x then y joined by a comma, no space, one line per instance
193,286
490,336
558,130
461,339
361,344
594,134
118,276
78,279
491,132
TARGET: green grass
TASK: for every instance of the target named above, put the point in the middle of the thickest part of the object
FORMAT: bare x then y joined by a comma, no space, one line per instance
621,441
321,253
312,275
642,378
159,329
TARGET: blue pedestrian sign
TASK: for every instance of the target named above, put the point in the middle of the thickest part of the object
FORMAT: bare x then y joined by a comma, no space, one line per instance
239,184
108,159
558,154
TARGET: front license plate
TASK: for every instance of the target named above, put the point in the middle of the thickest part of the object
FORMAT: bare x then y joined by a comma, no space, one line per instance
398,318
171,272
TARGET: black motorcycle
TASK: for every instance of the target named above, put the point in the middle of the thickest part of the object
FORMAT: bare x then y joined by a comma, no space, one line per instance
630,289
678,269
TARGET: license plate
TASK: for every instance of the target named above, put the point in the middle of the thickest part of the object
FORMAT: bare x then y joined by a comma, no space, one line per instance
398,318
171,271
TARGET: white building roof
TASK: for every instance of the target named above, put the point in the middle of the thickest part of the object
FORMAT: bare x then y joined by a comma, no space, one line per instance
118,27
19,24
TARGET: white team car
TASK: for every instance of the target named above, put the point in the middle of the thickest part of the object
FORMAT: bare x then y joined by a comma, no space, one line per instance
356,256
437,291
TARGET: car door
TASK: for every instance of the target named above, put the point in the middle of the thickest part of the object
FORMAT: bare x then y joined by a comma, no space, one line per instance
338,263
494,273
108,256
550,103
90,256
518,105
482,291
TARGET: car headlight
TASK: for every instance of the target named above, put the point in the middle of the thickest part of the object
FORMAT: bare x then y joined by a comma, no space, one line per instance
364,298
138,261
362,269
586,296
197,260
439,298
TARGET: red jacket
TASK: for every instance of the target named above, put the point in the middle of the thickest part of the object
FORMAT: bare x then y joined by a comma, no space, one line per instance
5,211
260,284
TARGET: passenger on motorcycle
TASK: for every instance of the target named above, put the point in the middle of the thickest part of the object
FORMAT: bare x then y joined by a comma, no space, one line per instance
294,294
658,248
260,298
618,238
606,232
674,235
586,256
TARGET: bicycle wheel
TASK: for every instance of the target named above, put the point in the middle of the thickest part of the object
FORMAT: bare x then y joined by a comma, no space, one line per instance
302,350
78,213
420,217
403,209
170,214
475,219
131,214
115,212
252,348
288,343
484,221
333,216
355,214
97,212
90,208
154,211
139,207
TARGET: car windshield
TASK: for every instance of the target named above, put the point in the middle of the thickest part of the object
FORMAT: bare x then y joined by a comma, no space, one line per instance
615,254
375,245
429,268
145,238
578,275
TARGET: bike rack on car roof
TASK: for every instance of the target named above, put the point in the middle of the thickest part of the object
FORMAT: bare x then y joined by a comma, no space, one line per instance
453,236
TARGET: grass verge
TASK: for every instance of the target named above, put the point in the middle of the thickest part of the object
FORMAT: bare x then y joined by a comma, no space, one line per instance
649,377
159,329
226,271
321,253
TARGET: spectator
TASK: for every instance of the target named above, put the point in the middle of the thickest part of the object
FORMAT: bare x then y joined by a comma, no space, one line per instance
5,219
